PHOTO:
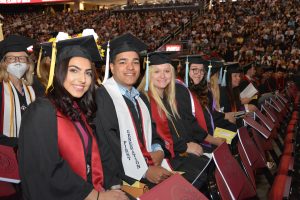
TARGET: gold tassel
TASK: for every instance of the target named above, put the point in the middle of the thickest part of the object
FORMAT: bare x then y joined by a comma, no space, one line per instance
39,63
52,66
1,32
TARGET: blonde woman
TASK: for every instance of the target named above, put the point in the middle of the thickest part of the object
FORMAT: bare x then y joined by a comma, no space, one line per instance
16,78
185,153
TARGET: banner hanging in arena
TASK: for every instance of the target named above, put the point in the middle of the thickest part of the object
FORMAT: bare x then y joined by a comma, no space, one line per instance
30,1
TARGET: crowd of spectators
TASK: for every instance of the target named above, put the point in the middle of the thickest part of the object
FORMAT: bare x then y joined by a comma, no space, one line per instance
266,32
150,26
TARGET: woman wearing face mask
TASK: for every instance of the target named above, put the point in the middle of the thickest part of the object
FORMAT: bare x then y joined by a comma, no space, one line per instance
16,77
186,154
59,155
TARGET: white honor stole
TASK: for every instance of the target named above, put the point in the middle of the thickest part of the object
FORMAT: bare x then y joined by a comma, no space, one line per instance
133,161
12,109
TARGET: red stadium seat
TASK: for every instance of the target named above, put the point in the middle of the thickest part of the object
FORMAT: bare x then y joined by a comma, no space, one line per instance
231,180
280,188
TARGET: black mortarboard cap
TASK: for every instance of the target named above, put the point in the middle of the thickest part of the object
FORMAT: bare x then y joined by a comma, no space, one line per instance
123,43
82,46
15,43
195,59
192,59
216,64
160,57
85,47
247,67
156,58
232,67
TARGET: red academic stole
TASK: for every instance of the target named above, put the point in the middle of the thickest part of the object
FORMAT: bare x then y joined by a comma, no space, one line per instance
71,149
162,126
145,153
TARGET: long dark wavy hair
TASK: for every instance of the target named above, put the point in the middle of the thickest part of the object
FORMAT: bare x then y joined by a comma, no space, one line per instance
64,101
233,94
200,89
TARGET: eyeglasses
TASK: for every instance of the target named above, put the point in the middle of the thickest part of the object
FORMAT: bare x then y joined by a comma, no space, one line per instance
12,59
196,71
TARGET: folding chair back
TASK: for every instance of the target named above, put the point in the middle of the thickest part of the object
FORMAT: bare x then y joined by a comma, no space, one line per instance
230,177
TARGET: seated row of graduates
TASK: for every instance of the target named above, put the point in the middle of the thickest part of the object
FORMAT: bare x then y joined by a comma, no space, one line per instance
80,141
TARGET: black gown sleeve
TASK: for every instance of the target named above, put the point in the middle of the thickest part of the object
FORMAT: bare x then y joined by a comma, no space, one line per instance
44,174
107,129
193,129
243,85
224,100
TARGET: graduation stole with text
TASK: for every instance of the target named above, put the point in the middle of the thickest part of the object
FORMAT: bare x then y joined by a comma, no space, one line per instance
10,118
134,164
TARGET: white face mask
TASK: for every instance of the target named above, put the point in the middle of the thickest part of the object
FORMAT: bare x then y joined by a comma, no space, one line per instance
17,69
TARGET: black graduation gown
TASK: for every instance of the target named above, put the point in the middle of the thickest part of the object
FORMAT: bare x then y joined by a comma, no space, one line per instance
107,127
194,131
185,110
191,164
268,86
219,117
44,173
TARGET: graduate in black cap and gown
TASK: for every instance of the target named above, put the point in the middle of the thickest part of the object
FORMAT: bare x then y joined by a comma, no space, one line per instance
230,100
124,119
184,146
209,87
249,77
59,156
16,78
200,97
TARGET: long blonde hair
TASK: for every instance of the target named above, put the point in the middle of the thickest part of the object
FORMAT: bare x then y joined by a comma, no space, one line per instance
169,94
44,70
27,78
215,89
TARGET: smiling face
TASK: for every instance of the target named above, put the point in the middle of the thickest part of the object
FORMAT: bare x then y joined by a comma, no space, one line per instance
126,68
161,76
196,73
79,76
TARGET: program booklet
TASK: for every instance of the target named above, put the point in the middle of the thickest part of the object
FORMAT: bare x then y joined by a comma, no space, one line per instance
249,92
224,133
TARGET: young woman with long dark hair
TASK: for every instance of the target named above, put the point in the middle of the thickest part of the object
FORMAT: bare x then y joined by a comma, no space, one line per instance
59,155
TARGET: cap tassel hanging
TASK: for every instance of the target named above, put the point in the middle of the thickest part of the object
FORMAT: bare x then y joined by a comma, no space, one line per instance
209,72
187,72
147,74
220,76
106,64
52,66
223,84
38,70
